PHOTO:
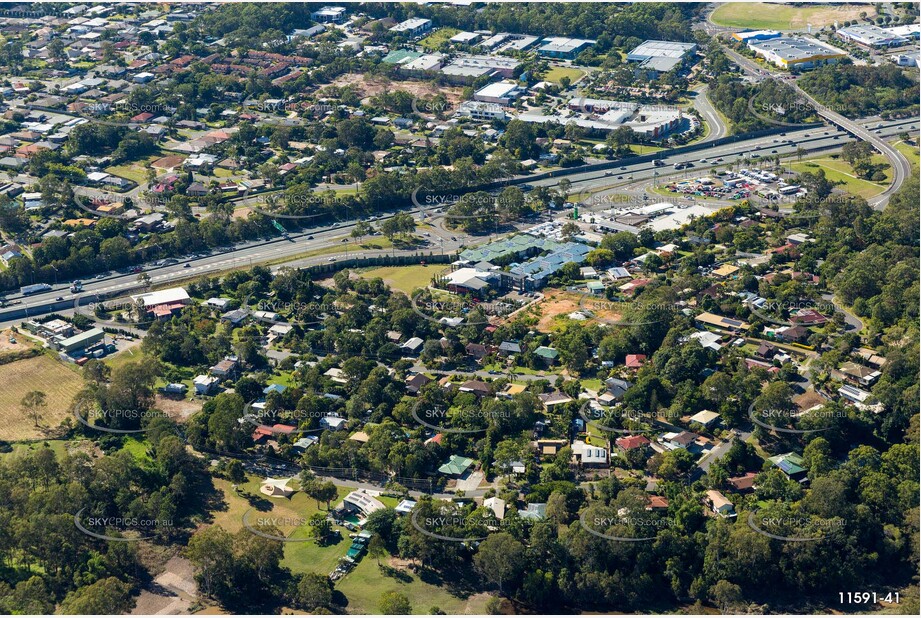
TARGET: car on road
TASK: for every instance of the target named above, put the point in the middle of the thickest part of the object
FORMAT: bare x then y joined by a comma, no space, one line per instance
310,237
773,152
331,259
620,178
101,276
608,173
187,265
59,298
454,238
623,169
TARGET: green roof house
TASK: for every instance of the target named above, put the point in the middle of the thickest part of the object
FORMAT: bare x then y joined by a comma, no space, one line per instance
456,466
549,355
790,464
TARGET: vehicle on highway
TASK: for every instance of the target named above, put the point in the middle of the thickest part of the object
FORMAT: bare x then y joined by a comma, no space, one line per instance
101,276
59,298
773,152
35,288
454,238
658,162
331,259
608,173
76,286
187,265
310,237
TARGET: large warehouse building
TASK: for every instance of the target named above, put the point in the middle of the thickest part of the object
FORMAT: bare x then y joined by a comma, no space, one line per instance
796,54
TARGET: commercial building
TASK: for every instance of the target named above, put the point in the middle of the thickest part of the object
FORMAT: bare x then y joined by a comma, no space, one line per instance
908,31
650,121
796,53
413,27
657,57
329,14
466,38
80,341
870,37
471,68
479,110
563,48
756,35
500,93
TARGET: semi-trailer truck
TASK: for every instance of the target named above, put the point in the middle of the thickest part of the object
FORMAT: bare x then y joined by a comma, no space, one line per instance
36,288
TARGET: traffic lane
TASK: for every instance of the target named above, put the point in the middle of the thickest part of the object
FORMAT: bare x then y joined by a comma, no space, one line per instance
813,142
221,262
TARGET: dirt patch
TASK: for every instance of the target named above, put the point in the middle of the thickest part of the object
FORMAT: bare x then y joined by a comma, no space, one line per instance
558,304
18,343
371,86
171,592
177,409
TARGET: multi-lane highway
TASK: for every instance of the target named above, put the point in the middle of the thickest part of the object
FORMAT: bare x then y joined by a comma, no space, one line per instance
324,239
901,168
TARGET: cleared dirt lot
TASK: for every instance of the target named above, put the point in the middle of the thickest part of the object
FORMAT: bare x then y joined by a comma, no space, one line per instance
557,304
370,86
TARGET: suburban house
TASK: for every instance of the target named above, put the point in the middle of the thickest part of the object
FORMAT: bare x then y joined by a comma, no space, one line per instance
707,418
628,443
455,466
719,504
791,465
589,456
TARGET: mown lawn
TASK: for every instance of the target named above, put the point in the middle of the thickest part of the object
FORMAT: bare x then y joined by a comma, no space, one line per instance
364,586
405,278
771,16
910,152
838,170
556,74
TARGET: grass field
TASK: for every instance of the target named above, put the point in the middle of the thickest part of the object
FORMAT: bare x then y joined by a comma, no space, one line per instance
838,170
555,74
771,16
42,373
365,584
910,152
59,447
434,40
405,278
